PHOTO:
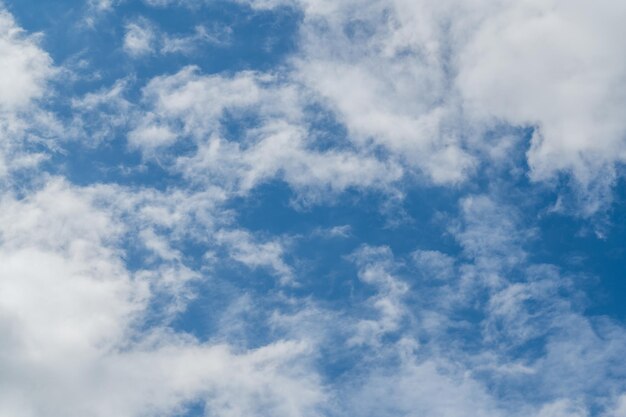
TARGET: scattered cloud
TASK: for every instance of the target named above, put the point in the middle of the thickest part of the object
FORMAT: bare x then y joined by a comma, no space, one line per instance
105,283
139,38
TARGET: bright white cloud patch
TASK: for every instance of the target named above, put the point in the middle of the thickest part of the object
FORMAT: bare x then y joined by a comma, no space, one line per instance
552,65
26,70
72,315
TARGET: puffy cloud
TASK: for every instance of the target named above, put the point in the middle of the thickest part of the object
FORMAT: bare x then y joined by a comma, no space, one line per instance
139,38
384,68
386,104
427,86
281,152
73,316
429,82
26,67
552,65
26,71
374,269
620,407
188,106
89,330
244,249
194,103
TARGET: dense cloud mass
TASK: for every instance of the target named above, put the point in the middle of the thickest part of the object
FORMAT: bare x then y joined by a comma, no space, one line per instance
303,208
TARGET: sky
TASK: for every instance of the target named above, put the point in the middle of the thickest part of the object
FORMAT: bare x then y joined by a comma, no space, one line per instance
312,208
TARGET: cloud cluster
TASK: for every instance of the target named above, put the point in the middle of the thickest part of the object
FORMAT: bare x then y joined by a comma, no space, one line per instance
188,107
26,71
84,333
75,322
428,82
381,95
504,337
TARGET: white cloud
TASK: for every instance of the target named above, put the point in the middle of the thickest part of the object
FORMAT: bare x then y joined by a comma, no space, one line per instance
197,102
552,65
165,3
620,407
72,315
427,389
562,408
151,136
243,248
529,302
374,265
143,37
102,5
139,38
435,265
388,81
280,152
187,44
427,81
26,71
99,115
193,106
342,232
82,330
384,109
492,303
25,67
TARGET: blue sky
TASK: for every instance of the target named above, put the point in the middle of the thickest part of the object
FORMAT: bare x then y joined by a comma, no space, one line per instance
302,208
